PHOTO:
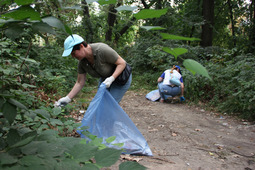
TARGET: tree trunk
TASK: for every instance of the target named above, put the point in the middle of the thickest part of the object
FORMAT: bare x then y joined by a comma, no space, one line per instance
87,23
124,29
232,21
111,20
207,28
252,19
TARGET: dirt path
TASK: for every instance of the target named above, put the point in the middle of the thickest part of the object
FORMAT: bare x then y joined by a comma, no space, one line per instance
182,137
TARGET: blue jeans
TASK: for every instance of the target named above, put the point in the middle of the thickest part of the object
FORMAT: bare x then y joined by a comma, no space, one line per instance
168,91
117,91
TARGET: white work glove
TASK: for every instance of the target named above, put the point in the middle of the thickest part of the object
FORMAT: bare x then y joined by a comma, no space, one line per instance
62,102
109,81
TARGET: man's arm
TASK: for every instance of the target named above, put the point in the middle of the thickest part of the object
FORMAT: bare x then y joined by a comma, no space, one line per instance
160,79
120,66
182,89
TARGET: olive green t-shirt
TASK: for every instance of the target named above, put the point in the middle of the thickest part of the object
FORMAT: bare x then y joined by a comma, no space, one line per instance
104,61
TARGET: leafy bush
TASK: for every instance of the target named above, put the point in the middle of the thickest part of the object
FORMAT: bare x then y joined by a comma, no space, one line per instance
148,55
35,136
231,90
29,139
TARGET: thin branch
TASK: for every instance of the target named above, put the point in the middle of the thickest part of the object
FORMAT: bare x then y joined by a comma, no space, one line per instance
28,49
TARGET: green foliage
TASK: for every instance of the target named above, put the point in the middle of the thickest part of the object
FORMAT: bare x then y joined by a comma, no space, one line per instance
48,150
54,71
30,139
231,90
175,51
131,165
195,67
176,37
32,133
147,53
150,13
25,17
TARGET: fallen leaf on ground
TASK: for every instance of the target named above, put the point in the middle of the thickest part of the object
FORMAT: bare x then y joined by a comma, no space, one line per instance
153,130
211,153
130,158
174,134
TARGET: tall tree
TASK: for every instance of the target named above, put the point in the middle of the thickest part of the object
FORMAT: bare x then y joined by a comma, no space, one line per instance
207,28
232,20
252,20
111,20
87,22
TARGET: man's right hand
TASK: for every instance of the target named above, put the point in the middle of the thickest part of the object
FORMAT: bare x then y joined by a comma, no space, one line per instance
63,101
182,98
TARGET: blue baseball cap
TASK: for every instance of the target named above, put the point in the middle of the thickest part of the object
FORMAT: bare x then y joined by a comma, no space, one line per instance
178,68
71,41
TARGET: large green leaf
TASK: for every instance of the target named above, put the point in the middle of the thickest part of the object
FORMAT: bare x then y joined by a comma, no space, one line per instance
42,113
195,67
13,31
131,165
13,137
148,28
2,101
22,13
53,21
23,142
175,51
56,111
15,140
55,122
31,148
43,149
50,149
126,8
9,111
24,2
7,159
83,152
150,13
176,37
18,104
48,135
105,2
69,142
68,164
43,28
30,160
90,167
107,157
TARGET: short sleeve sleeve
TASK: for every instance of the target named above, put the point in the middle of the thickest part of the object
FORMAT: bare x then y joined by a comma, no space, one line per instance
110,55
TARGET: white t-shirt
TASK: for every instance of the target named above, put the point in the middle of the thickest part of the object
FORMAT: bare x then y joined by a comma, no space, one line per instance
169,75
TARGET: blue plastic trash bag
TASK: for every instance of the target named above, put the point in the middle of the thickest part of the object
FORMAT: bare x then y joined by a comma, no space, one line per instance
153,95
105,118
